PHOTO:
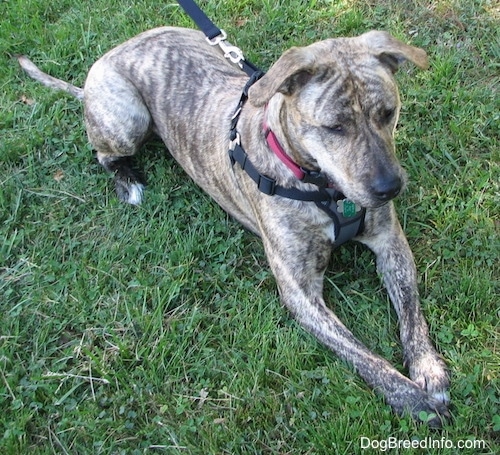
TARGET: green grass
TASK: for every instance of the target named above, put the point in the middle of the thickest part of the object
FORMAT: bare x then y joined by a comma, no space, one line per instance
157,329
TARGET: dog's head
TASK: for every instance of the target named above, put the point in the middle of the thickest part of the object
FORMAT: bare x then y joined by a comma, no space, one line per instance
335,104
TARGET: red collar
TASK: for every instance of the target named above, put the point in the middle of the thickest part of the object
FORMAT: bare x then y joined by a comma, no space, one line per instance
279,151
302,174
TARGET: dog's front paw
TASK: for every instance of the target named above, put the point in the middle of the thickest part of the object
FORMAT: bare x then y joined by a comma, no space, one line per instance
409,397
430,373
429,410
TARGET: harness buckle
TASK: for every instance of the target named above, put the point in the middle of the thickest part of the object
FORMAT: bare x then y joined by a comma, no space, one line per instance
235,140
315,177
266,185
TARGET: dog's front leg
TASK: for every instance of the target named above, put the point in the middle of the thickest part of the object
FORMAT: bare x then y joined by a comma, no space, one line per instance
298,256
395,262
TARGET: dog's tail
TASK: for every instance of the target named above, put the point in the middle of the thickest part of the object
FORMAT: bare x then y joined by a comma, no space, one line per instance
37,74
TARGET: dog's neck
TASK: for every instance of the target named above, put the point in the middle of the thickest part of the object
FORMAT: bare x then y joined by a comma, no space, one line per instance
301,173
276,147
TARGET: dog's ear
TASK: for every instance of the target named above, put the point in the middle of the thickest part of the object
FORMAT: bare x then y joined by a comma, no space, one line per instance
290,72
393,52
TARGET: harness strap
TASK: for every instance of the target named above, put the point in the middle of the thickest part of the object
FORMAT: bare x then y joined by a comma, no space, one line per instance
346,227
348,219
268,185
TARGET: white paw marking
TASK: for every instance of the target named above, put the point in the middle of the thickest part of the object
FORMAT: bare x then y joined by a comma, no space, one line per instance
135,191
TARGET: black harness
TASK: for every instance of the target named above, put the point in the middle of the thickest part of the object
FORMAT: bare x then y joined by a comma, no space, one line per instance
348,218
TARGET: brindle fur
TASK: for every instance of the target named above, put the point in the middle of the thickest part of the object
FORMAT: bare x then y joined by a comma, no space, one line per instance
334,106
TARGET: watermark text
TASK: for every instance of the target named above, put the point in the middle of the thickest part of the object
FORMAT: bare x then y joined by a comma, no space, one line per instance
427,443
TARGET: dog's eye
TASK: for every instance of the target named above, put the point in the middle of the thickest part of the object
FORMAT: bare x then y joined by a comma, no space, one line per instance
337,129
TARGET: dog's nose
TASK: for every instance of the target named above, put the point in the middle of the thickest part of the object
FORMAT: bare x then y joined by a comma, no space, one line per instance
386,189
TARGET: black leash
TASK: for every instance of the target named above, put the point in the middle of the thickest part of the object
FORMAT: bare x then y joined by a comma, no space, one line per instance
348,218
200,18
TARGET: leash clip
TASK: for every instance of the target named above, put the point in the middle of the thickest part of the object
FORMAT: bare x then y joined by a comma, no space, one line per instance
232,53
217,39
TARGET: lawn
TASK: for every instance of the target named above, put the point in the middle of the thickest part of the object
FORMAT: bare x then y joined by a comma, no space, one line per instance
158,329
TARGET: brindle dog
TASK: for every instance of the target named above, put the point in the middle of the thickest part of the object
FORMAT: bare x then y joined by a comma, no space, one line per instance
333,105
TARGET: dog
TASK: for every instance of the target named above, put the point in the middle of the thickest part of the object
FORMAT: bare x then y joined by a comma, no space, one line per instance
333,106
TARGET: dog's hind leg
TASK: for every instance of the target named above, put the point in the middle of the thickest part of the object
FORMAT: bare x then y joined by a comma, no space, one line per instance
129,182
118,123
